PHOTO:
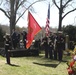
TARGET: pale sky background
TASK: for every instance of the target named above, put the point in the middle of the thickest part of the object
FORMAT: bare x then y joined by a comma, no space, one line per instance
41,15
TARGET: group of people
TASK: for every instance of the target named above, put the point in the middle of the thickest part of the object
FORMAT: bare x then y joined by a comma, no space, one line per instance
54,46
16,39
12,42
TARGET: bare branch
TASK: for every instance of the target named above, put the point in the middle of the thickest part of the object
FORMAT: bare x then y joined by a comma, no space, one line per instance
21,3
4,12
27,9
66,3
69,12
55,4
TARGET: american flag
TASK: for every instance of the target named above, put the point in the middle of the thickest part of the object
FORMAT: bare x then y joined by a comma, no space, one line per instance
47,28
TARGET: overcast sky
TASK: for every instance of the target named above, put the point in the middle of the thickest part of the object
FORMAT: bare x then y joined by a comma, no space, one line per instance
41,15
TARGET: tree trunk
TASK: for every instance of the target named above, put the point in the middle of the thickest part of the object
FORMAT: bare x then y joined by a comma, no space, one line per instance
12,16
60,22
60,16
12,23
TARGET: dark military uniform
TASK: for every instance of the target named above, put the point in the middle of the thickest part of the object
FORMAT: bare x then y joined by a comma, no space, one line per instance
7,47
45,45
24,38
50,47
18,39
53,38
55,49
14,39
60,46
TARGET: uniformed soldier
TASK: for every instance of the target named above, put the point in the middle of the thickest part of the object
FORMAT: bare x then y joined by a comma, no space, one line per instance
50,47
45,45
24,38
55,45
14,38
7,48
53,38
60,45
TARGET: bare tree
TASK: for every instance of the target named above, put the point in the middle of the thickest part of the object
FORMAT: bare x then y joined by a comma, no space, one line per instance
65,7
15,9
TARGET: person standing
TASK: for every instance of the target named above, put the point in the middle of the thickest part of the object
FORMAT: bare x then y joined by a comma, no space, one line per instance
53,38
18,39
55,47
60,45
24,38
14,38
45,45
50,47
7,48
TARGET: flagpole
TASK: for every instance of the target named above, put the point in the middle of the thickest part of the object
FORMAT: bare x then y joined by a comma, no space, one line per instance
47,27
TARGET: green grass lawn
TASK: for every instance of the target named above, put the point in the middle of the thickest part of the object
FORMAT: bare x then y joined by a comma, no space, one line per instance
32,66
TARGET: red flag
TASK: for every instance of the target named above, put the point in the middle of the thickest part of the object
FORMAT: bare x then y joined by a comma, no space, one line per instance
33,29
47,28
